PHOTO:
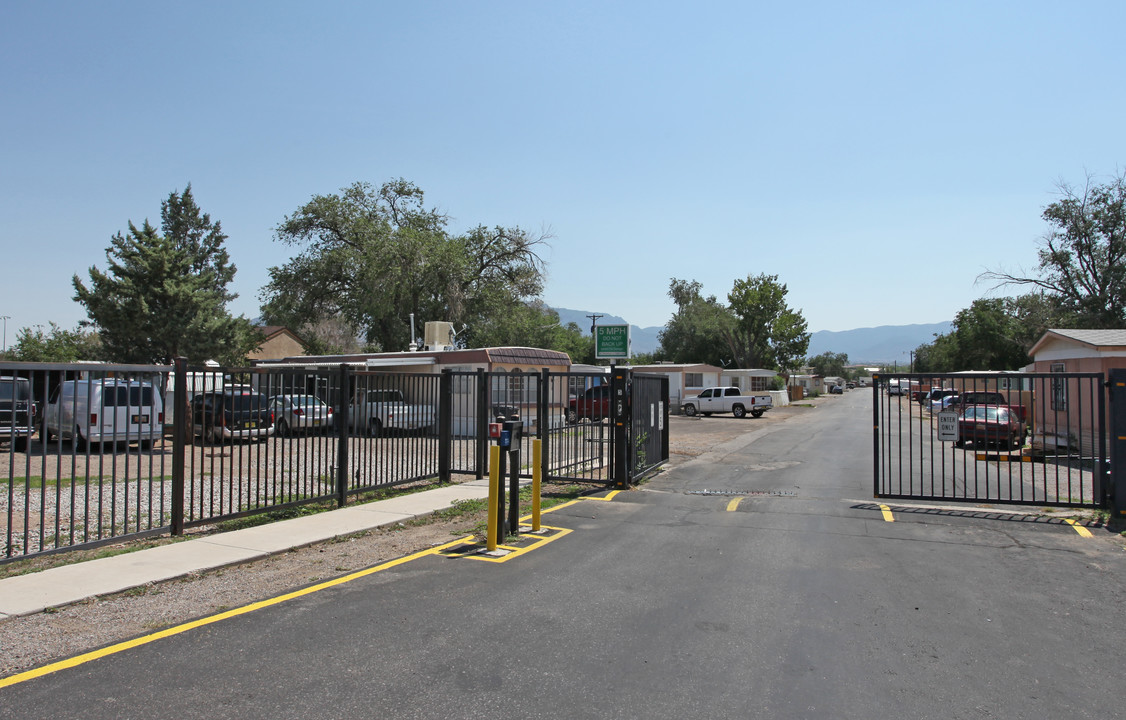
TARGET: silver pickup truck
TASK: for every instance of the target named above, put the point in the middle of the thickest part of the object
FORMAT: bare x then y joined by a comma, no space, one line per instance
727,400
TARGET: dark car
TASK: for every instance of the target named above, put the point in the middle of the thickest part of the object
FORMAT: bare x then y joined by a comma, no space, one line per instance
989,424
232,413
17,411
594,404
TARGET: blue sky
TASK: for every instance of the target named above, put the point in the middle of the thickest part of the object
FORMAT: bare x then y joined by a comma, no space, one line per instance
877,157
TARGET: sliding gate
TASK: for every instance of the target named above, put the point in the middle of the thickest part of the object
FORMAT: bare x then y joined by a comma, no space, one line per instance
1012,438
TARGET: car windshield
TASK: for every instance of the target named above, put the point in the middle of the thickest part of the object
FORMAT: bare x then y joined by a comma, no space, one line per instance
987,413
13,389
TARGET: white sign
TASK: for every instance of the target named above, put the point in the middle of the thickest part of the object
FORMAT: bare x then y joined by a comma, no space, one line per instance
948,426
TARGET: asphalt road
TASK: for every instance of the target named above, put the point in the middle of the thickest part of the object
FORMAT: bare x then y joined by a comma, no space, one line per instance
801,600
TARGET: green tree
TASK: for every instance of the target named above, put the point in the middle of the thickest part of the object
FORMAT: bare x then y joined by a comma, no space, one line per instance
1083,255
533,324
991,334
829,364
164,295
55,345
372,256
768,333
700,331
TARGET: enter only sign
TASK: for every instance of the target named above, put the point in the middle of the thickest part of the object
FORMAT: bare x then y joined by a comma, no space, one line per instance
948,426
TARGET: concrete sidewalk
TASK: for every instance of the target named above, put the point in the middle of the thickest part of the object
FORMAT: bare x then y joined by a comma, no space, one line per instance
32,593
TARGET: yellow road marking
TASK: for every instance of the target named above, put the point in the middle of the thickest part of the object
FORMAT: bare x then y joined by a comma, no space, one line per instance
1083,532
888,517
734,504
201,622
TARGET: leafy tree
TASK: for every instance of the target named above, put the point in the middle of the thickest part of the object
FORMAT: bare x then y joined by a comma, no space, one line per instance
372,256
829,364
165,295
55,345
991,334
1083,255
533,324
700,331
768,333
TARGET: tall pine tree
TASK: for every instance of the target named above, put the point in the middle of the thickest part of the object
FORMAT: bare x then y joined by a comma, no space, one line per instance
165,294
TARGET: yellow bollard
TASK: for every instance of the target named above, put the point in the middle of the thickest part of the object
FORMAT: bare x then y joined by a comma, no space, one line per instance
537,479
494,495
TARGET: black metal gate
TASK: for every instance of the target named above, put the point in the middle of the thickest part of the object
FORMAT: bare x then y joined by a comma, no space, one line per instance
1013,438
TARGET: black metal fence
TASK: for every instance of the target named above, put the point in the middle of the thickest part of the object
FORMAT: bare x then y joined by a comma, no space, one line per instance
1014,438
101,452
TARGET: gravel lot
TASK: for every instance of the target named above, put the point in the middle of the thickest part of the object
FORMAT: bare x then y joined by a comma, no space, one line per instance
34,640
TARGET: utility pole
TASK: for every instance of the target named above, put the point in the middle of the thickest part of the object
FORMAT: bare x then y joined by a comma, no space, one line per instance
593,322
5,318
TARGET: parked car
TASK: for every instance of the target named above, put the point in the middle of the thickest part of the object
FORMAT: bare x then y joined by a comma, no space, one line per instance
727,400
946,402
230,414
836,390
17,411
993,398
300,413
106,410
987,424
593,404
937,393
377,411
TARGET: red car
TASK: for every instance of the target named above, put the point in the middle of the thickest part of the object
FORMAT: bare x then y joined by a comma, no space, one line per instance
990,424
593,404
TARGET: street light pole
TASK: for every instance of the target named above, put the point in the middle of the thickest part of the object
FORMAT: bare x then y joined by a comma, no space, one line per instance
5,318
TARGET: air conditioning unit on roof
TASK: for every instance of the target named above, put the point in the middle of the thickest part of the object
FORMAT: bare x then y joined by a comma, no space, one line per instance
439,335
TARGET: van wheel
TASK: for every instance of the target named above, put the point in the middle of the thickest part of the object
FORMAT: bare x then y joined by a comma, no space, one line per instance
739,411
79,441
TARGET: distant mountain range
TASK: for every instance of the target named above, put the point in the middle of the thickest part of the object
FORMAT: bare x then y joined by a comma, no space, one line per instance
878,345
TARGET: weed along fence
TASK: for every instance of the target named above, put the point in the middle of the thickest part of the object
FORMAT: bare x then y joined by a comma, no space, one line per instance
103,452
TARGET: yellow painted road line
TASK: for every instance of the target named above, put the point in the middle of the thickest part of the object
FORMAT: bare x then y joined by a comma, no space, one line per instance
734,504
178,629
888,517
514,552
1083,532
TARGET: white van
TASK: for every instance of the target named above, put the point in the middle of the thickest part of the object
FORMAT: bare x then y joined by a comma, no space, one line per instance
104,411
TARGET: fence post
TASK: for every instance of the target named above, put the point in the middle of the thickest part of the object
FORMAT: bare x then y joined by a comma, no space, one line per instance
343,437
483,420
543,420
1117,393
620,418
181,426
445,423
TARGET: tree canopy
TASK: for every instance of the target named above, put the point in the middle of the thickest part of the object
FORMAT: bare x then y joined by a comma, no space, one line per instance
829,364
991,334
55,345
1083,256
757,329
164,294
370,257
